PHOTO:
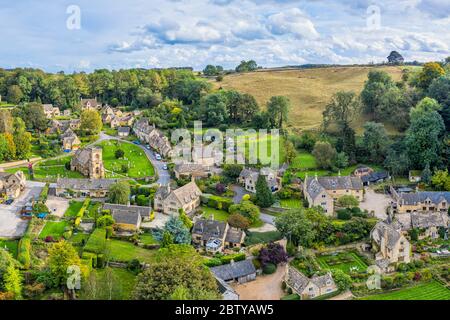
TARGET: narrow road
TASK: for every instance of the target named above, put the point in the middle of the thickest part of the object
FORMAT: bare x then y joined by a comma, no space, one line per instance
239,192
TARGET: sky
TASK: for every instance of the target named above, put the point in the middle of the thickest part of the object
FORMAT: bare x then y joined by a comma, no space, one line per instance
84,35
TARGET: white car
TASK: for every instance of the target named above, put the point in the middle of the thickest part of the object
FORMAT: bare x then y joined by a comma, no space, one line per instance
158,157
165,167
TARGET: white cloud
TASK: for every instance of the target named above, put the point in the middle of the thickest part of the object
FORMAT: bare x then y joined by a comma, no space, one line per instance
292,22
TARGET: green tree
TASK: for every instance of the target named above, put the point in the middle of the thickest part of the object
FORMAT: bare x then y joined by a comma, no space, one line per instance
33,115
10,147
119,192
440,91
237,220
22,141
105,221
6,121
296,227
247,209
375,87
12,280
185,219
341,109
426,174
278,109
15,94
119,153
343,281
246,66
90,122
289,152
374,142
264,197
325,154
424,106
213,109
441,180
424,139
176,228
61,256
348,201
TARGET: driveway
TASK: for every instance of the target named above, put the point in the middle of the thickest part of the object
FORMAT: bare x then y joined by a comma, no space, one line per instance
239,192
57,205
376,202
11,225
157,223
266,287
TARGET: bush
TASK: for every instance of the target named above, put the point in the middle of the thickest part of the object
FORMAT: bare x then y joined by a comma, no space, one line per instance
96,242
344,214
257,264
213,262
235,257
134,265
119,153
269,268
33,290
236,220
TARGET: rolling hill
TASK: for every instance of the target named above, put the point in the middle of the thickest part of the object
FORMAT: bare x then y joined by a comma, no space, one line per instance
308,89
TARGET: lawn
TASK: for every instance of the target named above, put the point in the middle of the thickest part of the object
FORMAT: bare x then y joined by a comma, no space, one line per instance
265,158
110,131
291,203
220,215
345,261
10,246
125,251
304,160
135,158
53,229
147,239
262,237
74,207
92,209
123,282
344,172
425,291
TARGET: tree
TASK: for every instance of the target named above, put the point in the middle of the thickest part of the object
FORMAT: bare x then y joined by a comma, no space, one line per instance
213,109
15,94
325,154
278,109
395,58
426,174
246,66
185,219
236,220
296,227
6,121
10,153
289,151
12,280
374,142
211,70
119,192
343,281
6,259
424,139
61,256
91,122
341,160
441,180
341,109
264,197
348,201
232,171
176,267
33,115
176,228
440,91
272,253
424,106
430,71
22,141
247,209
119,153
105,221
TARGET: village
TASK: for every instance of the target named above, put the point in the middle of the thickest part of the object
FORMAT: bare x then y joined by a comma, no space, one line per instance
293,232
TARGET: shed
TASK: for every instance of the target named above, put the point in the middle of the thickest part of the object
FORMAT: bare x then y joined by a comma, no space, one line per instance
241,271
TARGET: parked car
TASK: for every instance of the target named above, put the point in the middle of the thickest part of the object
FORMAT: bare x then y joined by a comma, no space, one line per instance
158,157
165,167
137,142
9,201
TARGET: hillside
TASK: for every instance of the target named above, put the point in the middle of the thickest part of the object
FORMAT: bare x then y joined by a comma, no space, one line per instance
309,89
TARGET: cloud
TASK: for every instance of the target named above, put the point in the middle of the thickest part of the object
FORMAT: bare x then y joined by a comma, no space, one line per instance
292,22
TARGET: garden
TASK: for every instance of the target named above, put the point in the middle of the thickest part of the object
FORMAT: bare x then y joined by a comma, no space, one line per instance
432,290
53,229
132,163
348,262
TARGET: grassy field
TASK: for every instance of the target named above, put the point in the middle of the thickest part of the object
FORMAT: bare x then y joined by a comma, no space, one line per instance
290,203
126,251
53,229
342,261
10,245
135,158
309,89
304,160
426,291
262,237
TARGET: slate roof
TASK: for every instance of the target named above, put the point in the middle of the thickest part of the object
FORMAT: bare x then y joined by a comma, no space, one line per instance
94,103
208,229
87,184
234,235
82,156
298,281
184,168
429,219
375,177
315,186
124,130
436,197
129,210
383,230
234,270
187,193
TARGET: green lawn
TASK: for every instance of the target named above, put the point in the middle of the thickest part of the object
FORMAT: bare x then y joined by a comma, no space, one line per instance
320,172
344,261
77,239
122,280
262,237
290,203
110,131
304,160
126,251
134,158
10,245
269,140
148,239
220,215
425,291
92,209
74,207
54,229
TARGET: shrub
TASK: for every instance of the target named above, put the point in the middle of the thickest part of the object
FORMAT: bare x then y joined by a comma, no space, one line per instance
236,220
24,255
344,214
96,242
134,265
269,268
246,197
257,264
101,260
119,153
213,262
33,290
235,257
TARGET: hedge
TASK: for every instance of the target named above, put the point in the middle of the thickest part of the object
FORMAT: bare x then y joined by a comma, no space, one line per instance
89,257
24,255
44,193
236,257
80,213
217,202
96,242
269,268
